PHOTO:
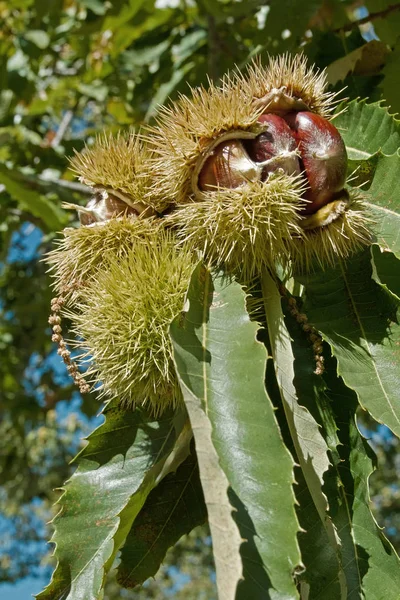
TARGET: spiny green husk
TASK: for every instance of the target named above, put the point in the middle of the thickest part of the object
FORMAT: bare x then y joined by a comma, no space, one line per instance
247,229
293,75
119,163
123,281
185,131
81,252
188,128
324,246
122,318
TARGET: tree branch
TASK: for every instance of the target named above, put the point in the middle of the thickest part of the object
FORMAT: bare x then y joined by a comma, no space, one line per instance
71,185
65,121
371,17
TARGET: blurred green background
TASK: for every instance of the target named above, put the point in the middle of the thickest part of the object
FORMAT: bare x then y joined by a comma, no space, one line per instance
69,70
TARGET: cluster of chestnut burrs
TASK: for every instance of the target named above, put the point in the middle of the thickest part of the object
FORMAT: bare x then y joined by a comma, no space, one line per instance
247,175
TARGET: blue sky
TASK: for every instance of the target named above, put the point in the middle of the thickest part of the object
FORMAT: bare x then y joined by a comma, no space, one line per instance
23,590
24,247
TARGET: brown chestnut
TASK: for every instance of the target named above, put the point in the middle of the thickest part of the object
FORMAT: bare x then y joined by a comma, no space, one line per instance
102,207
323,157
276,146
228,166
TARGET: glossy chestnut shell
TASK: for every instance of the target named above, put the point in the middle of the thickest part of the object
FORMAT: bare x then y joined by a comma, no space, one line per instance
229,166
102,207
323,157
276,146
295,143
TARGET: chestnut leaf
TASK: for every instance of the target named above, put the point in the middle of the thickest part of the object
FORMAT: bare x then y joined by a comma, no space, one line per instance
364,551
387,268
377,563
310,446
172,509
359,319
116,471
221,367
367,129
383,198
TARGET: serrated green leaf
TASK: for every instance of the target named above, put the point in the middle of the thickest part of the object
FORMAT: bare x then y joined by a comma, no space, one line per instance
222,365
172,509
117,470
52,216
340,565
387,269
320,579
226,538
367,128
362,546
383,198
390,85
379,564
377,177
382,580
356,316
310,446
309,443
365,60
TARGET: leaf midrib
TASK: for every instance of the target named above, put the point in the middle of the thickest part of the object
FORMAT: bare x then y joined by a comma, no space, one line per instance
364,342
383,208
204,343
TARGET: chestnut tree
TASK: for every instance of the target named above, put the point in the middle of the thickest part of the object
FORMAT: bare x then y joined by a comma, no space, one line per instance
241,255
229,287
